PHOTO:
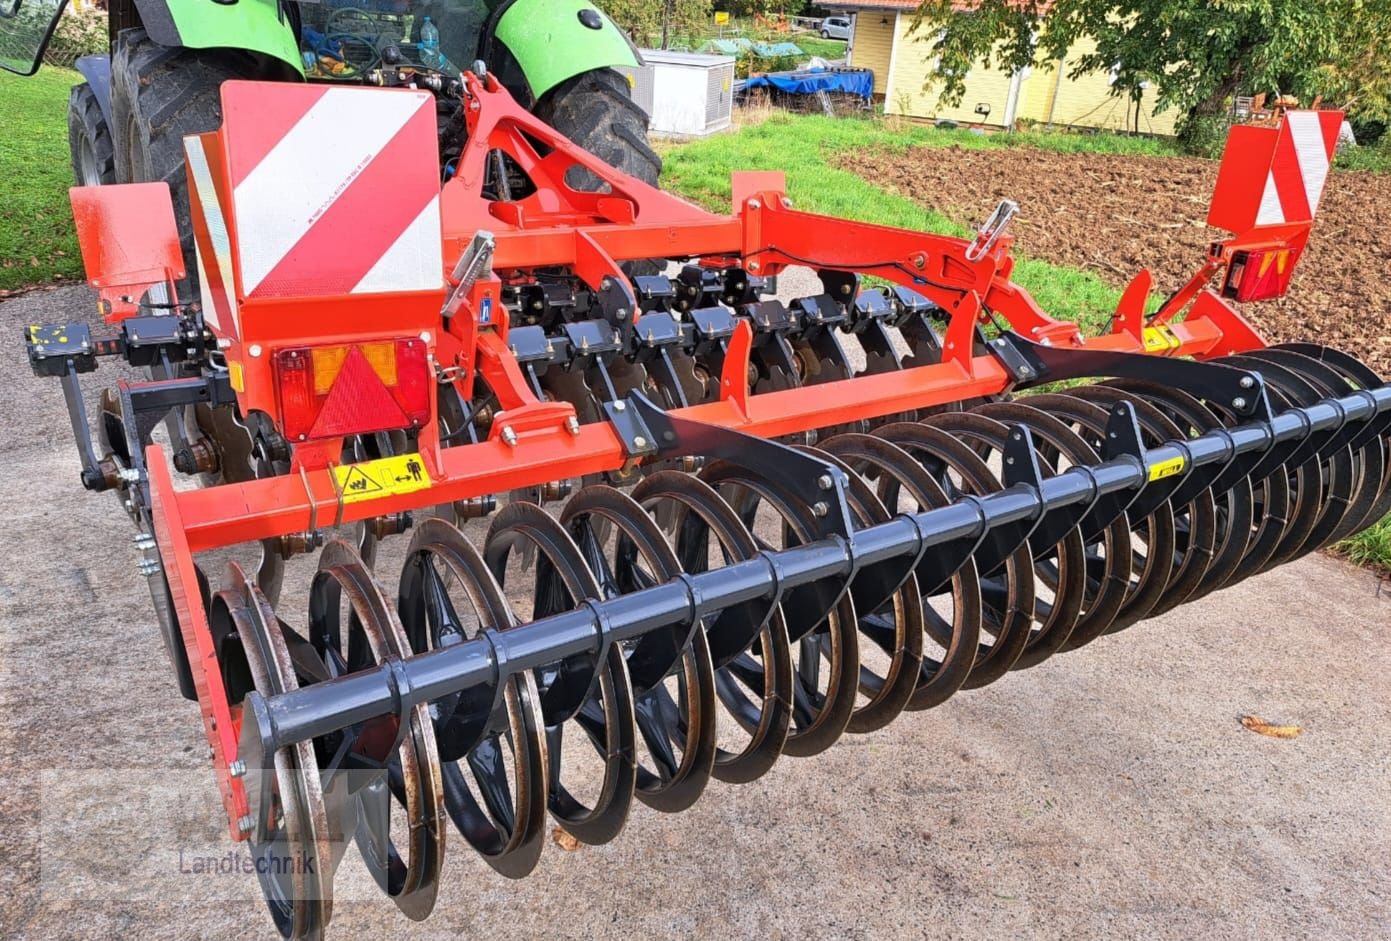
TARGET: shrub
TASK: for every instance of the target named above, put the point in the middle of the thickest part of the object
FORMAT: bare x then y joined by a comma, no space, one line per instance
79,33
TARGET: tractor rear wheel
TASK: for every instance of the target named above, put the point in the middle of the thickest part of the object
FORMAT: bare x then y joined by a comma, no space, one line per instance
89,139
159,95
596,110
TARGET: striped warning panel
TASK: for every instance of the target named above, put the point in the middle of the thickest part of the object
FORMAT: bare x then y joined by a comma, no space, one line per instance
334,190
1274,176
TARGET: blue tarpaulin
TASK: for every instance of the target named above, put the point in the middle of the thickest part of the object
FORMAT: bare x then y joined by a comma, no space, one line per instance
811,81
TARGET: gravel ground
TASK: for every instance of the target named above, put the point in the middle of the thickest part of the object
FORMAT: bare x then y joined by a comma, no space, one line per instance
1108,793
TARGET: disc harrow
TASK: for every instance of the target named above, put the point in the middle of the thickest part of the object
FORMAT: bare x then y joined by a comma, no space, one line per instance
654,531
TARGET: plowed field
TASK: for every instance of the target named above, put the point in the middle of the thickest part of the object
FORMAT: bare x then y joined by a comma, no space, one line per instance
1116,214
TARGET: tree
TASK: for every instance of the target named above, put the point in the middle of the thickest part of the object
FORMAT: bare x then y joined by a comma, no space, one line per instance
656,22
1196,53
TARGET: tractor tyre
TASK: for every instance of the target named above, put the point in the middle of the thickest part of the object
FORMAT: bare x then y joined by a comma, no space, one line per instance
596,110
89,139
158,96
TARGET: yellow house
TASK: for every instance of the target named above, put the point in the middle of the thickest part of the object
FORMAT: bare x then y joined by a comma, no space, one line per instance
901,60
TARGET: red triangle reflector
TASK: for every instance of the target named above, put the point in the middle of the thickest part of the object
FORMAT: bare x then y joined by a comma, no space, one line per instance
357,402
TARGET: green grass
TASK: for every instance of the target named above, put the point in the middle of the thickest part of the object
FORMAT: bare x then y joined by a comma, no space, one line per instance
803,147
828,49
1371,159
1371,547
37,244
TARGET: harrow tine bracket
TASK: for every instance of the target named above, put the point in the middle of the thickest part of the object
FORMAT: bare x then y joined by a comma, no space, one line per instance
1239,391
790,469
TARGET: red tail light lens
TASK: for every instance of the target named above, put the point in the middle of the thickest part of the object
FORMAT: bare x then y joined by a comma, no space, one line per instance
1259,276
353,389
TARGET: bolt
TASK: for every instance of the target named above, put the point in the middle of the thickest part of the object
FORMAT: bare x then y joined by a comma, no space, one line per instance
129,474
755,204
820,508
143,541
639,442
509,436
825,482
620,406
572,425
254,349
237,769
224,343
1247,382
621,313
1026,372
753,266
1238,403
246,824
147,567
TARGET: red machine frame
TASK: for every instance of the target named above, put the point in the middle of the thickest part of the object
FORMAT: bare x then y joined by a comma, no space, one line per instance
591,234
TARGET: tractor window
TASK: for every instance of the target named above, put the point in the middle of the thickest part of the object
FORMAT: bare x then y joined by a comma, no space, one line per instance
342,39
25,27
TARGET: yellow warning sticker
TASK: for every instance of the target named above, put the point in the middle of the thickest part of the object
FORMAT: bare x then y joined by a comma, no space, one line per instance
390,476
235,376
1160,340
1167,468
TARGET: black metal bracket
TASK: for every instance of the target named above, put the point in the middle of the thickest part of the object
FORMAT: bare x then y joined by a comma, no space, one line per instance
1031,364
791,469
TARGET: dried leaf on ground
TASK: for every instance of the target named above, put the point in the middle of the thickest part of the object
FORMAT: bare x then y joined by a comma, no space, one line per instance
1261,727
564,840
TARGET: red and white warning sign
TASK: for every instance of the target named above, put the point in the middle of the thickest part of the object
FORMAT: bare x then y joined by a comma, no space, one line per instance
334,190
1274,176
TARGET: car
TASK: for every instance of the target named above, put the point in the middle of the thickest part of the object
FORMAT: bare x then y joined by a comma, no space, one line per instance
836,27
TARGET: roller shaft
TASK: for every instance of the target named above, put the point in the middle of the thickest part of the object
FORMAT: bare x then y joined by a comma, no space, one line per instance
391,687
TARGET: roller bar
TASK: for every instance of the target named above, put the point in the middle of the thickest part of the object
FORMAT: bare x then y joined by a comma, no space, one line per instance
269,724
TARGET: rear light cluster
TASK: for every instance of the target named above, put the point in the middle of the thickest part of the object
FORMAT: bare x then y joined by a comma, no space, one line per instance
353,389
1259,276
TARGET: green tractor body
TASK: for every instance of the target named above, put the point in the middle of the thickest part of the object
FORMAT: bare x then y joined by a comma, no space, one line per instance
549,41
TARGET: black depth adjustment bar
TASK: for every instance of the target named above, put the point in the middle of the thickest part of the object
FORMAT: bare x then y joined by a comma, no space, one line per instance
1239,391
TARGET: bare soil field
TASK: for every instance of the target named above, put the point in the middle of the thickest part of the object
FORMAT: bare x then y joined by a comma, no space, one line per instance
1117,214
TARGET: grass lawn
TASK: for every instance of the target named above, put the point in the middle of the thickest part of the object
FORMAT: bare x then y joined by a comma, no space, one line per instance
1371,547
828,49
37,244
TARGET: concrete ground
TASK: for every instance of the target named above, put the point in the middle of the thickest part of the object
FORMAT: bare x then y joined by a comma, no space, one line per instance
1107,793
